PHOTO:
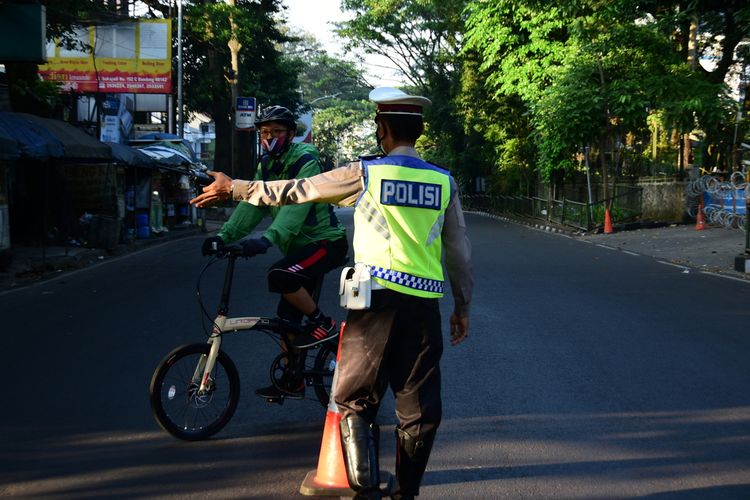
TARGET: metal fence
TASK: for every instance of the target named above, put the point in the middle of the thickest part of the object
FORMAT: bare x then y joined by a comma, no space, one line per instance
626,205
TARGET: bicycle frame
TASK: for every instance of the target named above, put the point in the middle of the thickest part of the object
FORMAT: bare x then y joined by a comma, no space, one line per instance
223,324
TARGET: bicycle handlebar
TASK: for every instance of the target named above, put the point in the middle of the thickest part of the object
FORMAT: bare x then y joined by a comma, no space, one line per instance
228,251
201,178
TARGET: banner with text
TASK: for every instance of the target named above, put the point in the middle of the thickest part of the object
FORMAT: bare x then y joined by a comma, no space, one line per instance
133,57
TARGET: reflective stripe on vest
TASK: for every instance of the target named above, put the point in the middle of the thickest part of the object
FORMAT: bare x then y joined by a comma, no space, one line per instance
407,279
399,221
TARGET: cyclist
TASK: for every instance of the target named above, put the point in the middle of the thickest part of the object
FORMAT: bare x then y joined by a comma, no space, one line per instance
309,235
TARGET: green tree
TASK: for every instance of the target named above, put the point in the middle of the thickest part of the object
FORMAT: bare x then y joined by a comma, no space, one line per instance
589,73
422,39
344,130
335,90
499,139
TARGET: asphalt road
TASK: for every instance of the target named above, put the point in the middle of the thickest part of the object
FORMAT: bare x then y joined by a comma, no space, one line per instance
588,373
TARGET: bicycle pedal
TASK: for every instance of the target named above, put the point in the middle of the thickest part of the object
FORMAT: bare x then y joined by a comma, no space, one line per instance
278,401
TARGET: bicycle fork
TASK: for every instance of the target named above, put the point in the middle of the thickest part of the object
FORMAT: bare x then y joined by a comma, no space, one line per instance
207,362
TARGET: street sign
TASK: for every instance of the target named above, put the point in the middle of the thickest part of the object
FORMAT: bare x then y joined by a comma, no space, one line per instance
245,113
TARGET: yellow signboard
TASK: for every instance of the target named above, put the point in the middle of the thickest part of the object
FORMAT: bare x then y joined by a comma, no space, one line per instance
133,57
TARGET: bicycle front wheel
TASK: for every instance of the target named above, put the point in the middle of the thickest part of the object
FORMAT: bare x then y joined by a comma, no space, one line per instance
178,405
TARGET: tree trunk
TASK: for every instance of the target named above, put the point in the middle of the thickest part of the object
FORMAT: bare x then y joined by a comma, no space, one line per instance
692,59
605,171
220,114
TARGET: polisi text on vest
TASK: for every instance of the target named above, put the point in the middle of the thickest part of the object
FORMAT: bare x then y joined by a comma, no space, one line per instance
410,194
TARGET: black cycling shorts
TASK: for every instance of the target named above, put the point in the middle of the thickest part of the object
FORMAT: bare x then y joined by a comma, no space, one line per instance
305,268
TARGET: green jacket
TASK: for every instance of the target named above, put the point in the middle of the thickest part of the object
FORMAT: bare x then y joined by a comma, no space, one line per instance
293,226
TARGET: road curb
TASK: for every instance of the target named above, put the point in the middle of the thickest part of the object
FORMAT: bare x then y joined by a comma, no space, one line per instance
532,224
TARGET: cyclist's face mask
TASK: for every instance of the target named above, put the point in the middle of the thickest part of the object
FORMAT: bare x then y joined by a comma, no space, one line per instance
273,140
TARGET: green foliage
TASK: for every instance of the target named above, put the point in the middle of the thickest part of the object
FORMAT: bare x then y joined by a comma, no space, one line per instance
422,39
591,72
323,75
499,144
343,131
336,92
264,71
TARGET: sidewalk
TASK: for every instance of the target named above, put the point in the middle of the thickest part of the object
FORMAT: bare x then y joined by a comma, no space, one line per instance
32,264
712,249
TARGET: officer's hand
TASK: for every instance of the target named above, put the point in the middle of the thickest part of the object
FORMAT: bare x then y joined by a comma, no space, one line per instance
219,189
212,245
254,246
459,328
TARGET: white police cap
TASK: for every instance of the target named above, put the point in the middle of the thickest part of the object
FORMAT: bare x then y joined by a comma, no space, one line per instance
392,101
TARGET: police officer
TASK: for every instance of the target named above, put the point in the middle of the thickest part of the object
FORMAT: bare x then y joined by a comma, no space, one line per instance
407,212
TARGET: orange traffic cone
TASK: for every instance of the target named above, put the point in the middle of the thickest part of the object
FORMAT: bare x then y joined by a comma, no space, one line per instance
700,221
608,229
329,479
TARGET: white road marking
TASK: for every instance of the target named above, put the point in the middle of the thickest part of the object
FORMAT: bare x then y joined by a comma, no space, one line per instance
741,280
684,268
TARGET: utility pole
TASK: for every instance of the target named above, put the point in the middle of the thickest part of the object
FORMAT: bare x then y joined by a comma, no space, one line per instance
180,107
234,77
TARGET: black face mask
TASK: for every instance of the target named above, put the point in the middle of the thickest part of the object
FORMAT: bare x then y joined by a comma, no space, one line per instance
379,139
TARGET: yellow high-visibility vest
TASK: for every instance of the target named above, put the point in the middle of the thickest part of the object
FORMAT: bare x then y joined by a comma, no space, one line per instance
398,222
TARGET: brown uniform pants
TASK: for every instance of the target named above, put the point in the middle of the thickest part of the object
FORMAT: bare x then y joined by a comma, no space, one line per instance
397,342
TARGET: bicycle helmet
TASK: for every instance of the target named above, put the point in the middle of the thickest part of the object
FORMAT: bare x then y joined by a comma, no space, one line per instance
276,114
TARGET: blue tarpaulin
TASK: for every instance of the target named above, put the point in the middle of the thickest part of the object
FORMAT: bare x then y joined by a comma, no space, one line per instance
731,201
9,149
33,140
43,138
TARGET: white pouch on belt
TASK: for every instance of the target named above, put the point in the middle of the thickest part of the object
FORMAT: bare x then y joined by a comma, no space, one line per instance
355,287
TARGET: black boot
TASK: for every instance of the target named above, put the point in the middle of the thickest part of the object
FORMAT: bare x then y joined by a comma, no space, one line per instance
360,447
411,461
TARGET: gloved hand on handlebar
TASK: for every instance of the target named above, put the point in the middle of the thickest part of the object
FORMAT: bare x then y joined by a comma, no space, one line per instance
254,246
212,245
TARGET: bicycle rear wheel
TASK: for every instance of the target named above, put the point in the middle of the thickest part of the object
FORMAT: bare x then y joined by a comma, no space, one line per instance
175,401
322,372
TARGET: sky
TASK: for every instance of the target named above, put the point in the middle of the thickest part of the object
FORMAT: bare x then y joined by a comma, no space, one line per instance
316,16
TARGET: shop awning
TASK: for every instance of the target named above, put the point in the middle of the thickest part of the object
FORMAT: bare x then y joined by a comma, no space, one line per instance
9,148
125,155
168,153
32,139
44,138
167,140
77,144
